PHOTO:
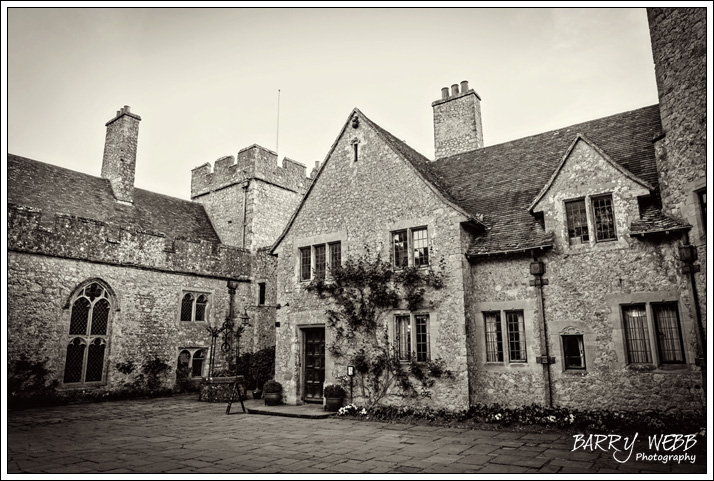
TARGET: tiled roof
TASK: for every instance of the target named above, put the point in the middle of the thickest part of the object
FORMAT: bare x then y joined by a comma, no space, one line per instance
58,190
501,181
654,221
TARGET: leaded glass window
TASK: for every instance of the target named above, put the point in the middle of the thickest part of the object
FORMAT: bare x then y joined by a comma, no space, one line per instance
320,261
604,218
422,337
335,255
494,336
420,246
516,336
403,337
187,308
401,249
669,335
577,221
88,335
637,339
201,308
305,264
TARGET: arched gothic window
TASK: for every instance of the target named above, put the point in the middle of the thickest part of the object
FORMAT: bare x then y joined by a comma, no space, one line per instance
193,307
88,335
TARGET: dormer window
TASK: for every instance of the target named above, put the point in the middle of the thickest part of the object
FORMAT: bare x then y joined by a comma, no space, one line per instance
598,218
577,222
604,218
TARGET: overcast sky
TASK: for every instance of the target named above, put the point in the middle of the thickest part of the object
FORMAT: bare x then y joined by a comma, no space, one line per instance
205,81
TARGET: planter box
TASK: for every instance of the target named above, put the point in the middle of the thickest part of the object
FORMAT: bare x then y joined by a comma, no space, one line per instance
273,398
333,403
218,389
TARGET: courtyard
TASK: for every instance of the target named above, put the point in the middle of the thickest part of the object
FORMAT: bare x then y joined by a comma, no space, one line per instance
179,435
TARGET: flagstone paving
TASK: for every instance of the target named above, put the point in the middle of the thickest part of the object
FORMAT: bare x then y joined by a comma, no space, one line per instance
181,435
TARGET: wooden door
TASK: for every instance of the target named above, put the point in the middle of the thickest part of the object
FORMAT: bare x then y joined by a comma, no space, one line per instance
314,362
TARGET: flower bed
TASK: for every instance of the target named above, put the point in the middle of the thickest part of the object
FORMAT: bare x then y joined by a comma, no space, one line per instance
533,418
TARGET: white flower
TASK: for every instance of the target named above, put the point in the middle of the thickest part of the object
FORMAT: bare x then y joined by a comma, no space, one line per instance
498,416
363,412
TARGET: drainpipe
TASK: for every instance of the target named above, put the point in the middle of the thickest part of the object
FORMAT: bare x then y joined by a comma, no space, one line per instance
245,210
688,255
538,270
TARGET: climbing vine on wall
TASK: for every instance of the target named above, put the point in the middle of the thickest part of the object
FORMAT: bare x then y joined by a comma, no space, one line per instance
363,291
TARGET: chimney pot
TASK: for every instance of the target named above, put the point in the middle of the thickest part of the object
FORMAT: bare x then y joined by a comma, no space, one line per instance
464,86
444,93
455,90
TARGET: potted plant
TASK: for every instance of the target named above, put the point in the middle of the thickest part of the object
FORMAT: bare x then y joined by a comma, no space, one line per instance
334,394
272,393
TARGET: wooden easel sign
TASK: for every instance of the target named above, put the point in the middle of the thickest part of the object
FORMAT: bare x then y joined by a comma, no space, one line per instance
240,390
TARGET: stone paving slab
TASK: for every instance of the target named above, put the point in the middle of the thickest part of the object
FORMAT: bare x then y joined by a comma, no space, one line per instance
180,435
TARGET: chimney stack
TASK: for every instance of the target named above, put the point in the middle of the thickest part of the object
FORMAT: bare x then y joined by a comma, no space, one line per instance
119,163
457,121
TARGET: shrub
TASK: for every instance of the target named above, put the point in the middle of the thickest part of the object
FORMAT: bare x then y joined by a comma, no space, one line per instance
30,383
333,390
262,366
272,386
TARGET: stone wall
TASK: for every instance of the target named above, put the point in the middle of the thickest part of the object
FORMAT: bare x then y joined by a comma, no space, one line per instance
270,194
144,319
263,316
679,49
589,283
65,236
360,203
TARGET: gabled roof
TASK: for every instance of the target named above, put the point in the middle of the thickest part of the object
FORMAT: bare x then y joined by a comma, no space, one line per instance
54,189
422,166
618,167
501,181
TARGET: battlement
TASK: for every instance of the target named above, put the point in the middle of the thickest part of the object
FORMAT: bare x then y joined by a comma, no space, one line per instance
251,162
72,237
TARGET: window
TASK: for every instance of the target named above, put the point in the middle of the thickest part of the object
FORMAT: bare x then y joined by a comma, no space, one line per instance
669,335
702,198
320,261
335,255
305,264
494,336
193,307
604,218
412,343
88,336
666,326
190,363
421,247
515,328
197,363
577,222
410,247
261,293
324,256
401,254
637,339
573,352
403,337
516,336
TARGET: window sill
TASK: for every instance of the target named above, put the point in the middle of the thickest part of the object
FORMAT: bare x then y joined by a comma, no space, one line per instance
575,372
663,368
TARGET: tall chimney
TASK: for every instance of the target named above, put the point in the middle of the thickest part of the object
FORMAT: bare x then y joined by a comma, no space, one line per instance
457,122
119,163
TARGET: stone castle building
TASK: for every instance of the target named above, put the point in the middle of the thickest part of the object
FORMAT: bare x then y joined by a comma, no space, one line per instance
569,255
101,273
574,260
